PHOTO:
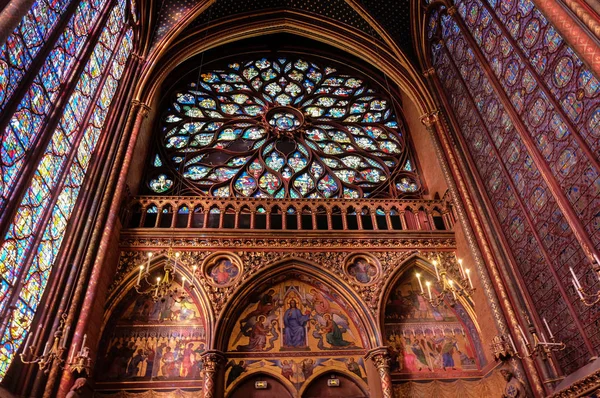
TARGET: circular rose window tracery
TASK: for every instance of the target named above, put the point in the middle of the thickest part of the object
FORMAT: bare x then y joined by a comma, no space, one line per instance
285,129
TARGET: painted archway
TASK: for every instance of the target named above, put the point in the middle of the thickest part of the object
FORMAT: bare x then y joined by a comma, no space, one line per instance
428,341
295,321
151,343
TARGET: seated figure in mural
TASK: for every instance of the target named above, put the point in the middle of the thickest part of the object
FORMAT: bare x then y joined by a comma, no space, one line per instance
223,272
264,307
294,333
257,335
333,333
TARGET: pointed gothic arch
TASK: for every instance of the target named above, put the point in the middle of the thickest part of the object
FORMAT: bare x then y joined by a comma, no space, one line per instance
291,268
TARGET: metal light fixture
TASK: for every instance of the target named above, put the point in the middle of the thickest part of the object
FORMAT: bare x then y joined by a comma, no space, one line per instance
160,287
449,287
587,298
538,347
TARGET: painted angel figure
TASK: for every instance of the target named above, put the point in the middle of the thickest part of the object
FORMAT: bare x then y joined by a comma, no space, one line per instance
332,328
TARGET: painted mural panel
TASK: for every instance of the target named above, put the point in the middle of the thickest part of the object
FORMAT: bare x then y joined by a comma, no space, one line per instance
153,341
296,316
296,327
429,341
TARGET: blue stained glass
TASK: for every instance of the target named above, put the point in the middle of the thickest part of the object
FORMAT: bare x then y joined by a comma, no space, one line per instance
16,246
44,88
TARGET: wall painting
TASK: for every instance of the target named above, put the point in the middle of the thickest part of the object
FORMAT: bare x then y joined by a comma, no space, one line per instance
294,328
156,342
427,341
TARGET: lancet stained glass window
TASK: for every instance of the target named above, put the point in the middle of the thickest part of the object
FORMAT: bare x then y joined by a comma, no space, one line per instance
51,197
532,69
32,112
283,128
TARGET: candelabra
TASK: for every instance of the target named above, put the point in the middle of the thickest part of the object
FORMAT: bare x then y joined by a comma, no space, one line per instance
539,346
587,298
80,363
160,287
53,350
449,288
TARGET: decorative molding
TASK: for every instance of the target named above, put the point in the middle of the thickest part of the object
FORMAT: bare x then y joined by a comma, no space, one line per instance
254,262
586,385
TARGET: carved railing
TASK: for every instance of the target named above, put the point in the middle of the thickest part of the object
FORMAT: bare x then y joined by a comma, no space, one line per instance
288,214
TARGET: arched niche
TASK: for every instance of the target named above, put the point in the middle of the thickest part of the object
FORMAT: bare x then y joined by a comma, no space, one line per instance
148,343
293,322
274,387
346,386
426,341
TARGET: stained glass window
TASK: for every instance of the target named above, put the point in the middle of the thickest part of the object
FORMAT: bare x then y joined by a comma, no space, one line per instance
45,209
283,128
535,71
26,124
23,45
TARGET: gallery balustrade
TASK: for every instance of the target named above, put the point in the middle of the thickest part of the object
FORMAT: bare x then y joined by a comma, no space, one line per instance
288,214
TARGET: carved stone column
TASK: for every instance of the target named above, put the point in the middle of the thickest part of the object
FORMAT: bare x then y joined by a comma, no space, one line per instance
212,361
381,359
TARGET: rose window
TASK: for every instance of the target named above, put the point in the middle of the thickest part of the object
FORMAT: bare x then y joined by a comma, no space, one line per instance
282,128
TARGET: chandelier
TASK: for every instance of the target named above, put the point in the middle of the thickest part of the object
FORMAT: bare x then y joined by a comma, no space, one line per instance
448,285
160,286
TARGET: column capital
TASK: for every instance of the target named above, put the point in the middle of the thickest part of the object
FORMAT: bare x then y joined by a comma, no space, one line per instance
430,118
429,72
380,357
144,109
212,360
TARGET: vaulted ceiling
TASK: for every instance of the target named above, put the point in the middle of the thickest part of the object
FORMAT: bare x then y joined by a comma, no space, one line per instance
390,18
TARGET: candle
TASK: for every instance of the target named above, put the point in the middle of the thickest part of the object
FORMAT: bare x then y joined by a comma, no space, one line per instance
462,270
37,334
148,263
543,338
451,283
46,349
548,327
512,344
577,289
157,286
437,275
72,354
429,289
468,271
522,334
419,279
27,342
575,278
83,343
183,284
140,275
64,337
596,258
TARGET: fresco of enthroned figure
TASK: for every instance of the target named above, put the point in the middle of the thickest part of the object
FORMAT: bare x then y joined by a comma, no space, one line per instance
296,316
425,339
